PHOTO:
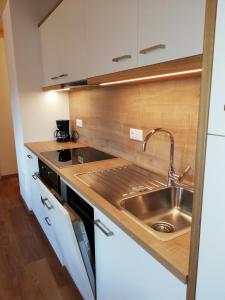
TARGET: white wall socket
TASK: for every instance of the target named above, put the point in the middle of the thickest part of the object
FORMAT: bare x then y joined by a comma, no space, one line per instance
79,123
136,134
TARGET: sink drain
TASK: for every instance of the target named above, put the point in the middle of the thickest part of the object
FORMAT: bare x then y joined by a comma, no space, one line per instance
163,227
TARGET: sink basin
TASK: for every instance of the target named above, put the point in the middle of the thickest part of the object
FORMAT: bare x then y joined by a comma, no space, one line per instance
166,212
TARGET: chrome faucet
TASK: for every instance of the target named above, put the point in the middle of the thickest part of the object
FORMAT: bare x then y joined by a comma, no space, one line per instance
173,178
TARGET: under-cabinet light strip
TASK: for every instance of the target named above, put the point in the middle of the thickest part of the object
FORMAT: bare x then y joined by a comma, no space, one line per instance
153,77
62,90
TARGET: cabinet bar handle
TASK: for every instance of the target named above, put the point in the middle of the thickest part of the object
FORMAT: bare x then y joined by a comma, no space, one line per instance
152,48
117,59
55,77
29,156
63,75
48,221
103,228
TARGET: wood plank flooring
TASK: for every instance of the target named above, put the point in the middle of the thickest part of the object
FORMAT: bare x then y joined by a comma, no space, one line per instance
29,268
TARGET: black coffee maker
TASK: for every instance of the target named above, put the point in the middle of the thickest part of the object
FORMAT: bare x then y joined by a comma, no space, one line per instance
62,134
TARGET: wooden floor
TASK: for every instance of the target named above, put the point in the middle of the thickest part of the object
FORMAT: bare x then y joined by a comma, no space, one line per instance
29,269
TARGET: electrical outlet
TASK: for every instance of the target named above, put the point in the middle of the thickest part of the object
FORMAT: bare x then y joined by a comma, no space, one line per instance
136,134
79,123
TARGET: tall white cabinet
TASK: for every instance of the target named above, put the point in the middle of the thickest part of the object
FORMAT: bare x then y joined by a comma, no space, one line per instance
211,266
210,283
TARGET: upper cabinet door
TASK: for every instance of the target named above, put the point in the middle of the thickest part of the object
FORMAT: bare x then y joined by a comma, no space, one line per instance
50,52
63,40
170,30
217,100
111,35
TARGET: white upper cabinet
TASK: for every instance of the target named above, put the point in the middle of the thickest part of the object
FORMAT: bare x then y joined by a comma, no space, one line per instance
63,42
87,38
176,24
217,100
111,35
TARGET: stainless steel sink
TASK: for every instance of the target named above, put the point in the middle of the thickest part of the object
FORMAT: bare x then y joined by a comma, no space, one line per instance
166,212
145,197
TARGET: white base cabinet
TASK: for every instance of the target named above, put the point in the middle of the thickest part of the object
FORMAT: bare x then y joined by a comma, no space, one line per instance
41,205
31,168
125,271
56,223
68,244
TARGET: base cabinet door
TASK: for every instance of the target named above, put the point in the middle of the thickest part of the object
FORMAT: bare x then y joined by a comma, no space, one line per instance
31,169
63,230
125,271
41,210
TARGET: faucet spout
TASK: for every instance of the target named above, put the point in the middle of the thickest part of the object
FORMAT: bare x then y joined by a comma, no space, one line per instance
171,171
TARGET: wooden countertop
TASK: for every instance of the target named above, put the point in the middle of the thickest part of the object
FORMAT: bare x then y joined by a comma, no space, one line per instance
173,254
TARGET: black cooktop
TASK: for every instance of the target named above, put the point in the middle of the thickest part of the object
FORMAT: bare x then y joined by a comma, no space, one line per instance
74,156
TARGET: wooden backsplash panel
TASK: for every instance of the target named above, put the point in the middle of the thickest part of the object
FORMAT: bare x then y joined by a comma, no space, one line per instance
108,113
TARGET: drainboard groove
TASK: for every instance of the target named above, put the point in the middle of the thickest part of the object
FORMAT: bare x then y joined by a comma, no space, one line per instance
121,182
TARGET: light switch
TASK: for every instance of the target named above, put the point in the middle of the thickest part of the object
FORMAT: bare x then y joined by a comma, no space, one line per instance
136,134
79,123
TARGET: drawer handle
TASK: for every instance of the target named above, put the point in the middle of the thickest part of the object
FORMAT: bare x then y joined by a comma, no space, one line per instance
34,177
63,75
47,220
117,59
43,200
152,48
55,77
47,203
103,228
29,156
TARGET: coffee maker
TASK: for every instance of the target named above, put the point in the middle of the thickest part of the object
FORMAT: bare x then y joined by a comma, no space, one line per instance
62,133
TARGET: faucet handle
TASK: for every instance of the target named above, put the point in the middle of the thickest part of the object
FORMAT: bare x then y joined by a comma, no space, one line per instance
180,177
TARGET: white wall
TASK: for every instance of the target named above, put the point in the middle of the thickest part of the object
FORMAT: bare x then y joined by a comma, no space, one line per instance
39,112
34,111
8,163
